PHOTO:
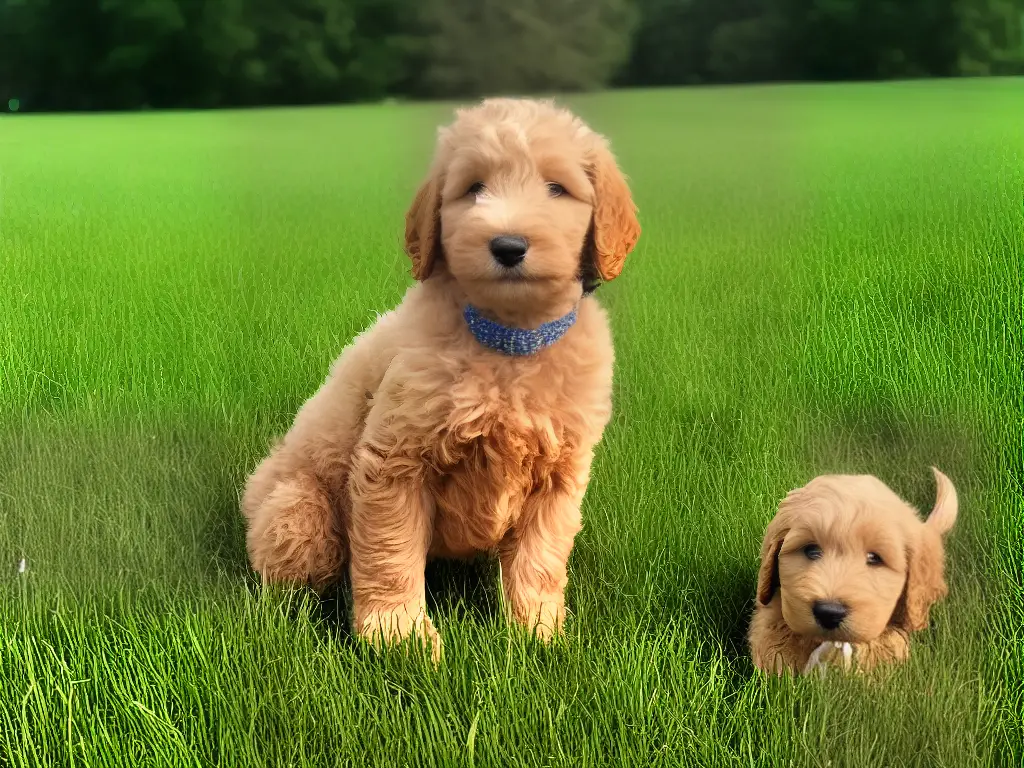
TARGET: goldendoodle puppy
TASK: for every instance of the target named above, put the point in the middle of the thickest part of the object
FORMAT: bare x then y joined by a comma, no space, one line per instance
848,571
464,420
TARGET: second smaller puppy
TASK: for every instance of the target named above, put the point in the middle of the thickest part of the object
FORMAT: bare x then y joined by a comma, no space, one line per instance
848,571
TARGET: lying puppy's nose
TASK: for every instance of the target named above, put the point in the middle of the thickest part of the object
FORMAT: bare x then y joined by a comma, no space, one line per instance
509,250
829,615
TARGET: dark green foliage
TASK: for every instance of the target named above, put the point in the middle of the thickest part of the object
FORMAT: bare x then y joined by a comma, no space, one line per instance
695,41
114,54
473,47
991,37
131,54
871,39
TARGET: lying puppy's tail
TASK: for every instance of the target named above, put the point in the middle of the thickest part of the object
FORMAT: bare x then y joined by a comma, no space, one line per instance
943,515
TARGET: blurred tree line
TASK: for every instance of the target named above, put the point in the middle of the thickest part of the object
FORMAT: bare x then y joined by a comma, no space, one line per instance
128,54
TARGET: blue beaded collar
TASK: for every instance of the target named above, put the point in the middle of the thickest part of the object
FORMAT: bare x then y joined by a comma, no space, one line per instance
517,342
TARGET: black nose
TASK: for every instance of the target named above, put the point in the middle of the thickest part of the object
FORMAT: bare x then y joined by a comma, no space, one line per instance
829,615
509,250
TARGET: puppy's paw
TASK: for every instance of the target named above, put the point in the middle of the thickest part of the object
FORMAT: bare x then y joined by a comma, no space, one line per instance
544,620
386,628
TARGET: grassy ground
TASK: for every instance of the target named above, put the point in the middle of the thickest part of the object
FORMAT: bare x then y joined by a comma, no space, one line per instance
829,280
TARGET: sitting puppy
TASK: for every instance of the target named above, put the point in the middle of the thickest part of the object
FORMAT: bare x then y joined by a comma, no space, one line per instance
848,570
464,420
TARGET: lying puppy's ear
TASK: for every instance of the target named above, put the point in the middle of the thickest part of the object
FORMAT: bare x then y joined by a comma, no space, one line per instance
423,227
615,228
768,575
926,556
925,583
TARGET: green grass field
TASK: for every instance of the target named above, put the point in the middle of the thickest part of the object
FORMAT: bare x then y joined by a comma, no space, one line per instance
829,279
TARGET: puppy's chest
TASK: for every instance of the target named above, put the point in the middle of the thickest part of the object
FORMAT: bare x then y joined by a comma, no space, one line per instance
500,442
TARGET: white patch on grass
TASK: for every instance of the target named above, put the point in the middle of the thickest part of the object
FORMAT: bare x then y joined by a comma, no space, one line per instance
815,661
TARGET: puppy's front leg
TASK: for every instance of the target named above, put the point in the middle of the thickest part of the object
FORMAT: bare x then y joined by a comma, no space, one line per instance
535,555
389,537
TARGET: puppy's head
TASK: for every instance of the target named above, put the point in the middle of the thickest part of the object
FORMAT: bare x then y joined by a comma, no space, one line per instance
524,204
848,558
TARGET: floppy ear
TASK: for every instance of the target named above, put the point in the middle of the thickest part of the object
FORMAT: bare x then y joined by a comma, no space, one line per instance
423,227
768,574
926,583
615,227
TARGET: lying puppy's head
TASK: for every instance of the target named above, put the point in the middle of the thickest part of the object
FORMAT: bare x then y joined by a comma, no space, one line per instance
523,206
848,558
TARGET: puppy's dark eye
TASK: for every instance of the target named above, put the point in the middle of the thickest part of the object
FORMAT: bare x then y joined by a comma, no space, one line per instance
555,190
476,188
874,559
813,552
